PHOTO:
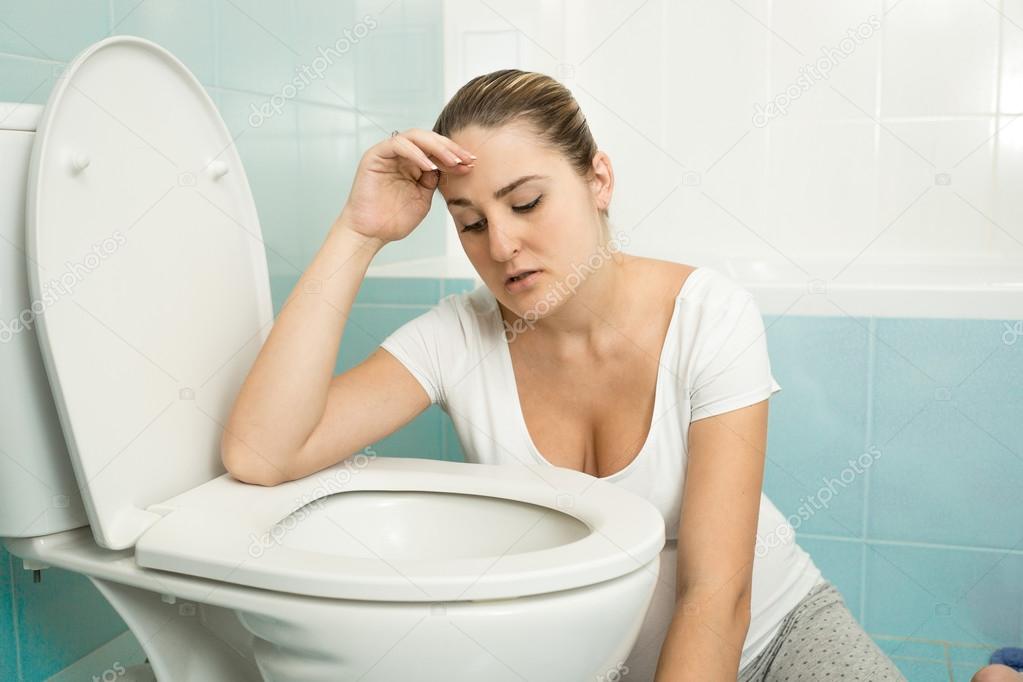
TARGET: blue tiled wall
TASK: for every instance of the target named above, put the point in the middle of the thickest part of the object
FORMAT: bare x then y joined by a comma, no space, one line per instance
926,542
300,163
383,71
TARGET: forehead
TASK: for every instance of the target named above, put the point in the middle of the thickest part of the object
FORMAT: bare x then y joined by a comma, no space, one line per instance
504,154
508,136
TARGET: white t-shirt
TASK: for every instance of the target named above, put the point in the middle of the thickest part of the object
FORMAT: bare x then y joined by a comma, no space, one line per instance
714,359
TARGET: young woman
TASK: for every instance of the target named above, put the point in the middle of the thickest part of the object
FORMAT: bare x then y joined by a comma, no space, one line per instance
648,374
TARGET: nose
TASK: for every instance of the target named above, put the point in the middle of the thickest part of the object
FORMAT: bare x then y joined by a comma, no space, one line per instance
503,243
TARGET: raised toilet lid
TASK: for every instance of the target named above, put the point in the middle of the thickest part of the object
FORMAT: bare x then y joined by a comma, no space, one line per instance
543,529
146,258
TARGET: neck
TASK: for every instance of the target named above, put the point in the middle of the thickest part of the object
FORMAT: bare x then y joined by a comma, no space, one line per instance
587,314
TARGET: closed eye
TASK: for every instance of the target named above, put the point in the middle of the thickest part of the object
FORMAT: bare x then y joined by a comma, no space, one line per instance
479,224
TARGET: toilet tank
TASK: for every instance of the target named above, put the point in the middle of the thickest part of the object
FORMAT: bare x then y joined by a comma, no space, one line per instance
38,492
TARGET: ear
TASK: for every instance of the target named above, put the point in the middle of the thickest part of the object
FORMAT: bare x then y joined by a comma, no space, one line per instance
602,182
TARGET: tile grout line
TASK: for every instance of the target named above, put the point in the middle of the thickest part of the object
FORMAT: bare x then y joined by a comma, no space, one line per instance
868,437
989,229
441,293
215,21
985,646
916,658
913,543
399,306
443,438
15,621
863,582
27,58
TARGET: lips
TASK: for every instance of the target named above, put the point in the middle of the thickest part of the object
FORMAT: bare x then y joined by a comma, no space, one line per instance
518,275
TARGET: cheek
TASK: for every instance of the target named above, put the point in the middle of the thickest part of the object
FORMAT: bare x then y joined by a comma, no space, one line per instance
476,248
564,226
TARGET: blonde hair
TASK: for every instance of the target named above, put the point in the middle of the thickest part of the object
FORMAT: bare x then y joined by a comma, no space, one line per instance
509,96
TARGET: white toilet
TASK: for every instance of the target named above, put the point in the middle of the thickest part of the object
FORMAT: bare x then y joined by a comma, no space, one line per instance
132,269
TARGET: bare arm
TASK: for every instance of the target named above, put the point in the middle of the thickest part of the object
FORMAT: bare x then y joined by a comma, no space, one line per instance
716,541
288,389
292,417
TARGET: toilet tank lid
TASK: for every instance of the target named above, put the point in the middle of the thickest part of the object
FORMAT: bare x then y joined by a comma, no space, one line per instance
15,116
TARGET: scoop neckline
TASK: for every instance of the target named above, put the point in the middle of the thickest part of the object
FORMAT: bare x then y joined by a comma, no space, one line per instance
509,369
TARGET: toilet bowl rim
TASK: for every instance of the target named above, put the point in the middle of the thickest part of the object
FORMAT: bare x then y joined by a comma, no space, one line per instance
625,533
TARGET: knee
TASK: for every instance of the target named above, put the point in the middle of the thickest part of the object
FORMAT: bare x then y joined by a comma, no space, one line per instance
996,673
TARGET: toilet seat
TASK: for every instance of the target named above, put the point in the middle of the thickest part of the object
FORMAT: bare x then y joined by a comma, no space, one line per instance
209,531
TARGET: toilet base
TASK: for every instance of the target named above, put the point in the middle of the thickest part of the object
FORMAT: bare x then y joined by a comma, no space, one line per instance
184,640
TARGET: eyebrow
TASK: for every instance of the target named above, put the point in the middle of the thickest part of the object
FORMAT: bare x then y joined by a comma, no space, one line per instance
501,192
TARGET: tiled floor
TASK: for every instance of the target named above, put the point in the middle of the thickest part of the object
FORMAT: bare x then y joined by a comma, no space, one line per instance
929,660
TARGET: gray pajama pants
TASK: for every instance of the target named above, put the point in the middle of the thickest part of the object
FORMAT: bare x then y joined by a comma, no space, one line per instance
821,640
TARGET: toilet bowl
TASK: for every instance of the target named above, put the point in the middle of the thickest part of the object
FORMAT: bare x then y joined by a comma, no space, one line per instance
394,568
140,298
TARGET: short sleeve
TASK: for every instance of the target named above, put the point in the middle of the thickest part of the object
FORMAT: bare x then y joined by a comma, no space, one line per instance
732,365
416,344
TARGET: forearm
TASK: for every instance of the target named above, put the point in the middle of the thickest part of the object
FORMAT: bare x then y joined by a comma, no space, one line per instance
704,641
285,392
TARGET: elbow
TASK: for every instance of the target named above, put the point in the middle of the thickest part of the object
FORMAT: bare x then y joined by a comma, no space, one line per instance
247,466
742,607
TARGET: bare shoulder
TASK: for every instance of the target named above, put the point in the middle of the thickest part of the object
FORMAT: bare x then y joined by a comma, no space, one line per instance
656,277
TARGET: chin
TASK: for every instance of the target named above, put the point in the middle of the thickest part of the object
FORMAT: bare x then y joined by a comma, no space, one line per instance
530,305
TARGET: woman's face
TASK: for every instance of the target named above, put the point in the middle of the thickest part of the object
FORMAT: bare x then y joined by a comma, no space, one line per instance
523,207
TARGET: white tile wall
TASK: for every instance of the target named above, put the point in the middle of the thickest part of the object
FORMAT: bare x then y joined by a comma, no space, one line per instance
908,146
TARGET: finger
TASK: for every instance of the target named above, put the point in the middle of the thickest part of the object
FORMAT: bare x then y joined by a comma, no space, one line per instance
429,180
451,168
463,153
404,147
439,147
